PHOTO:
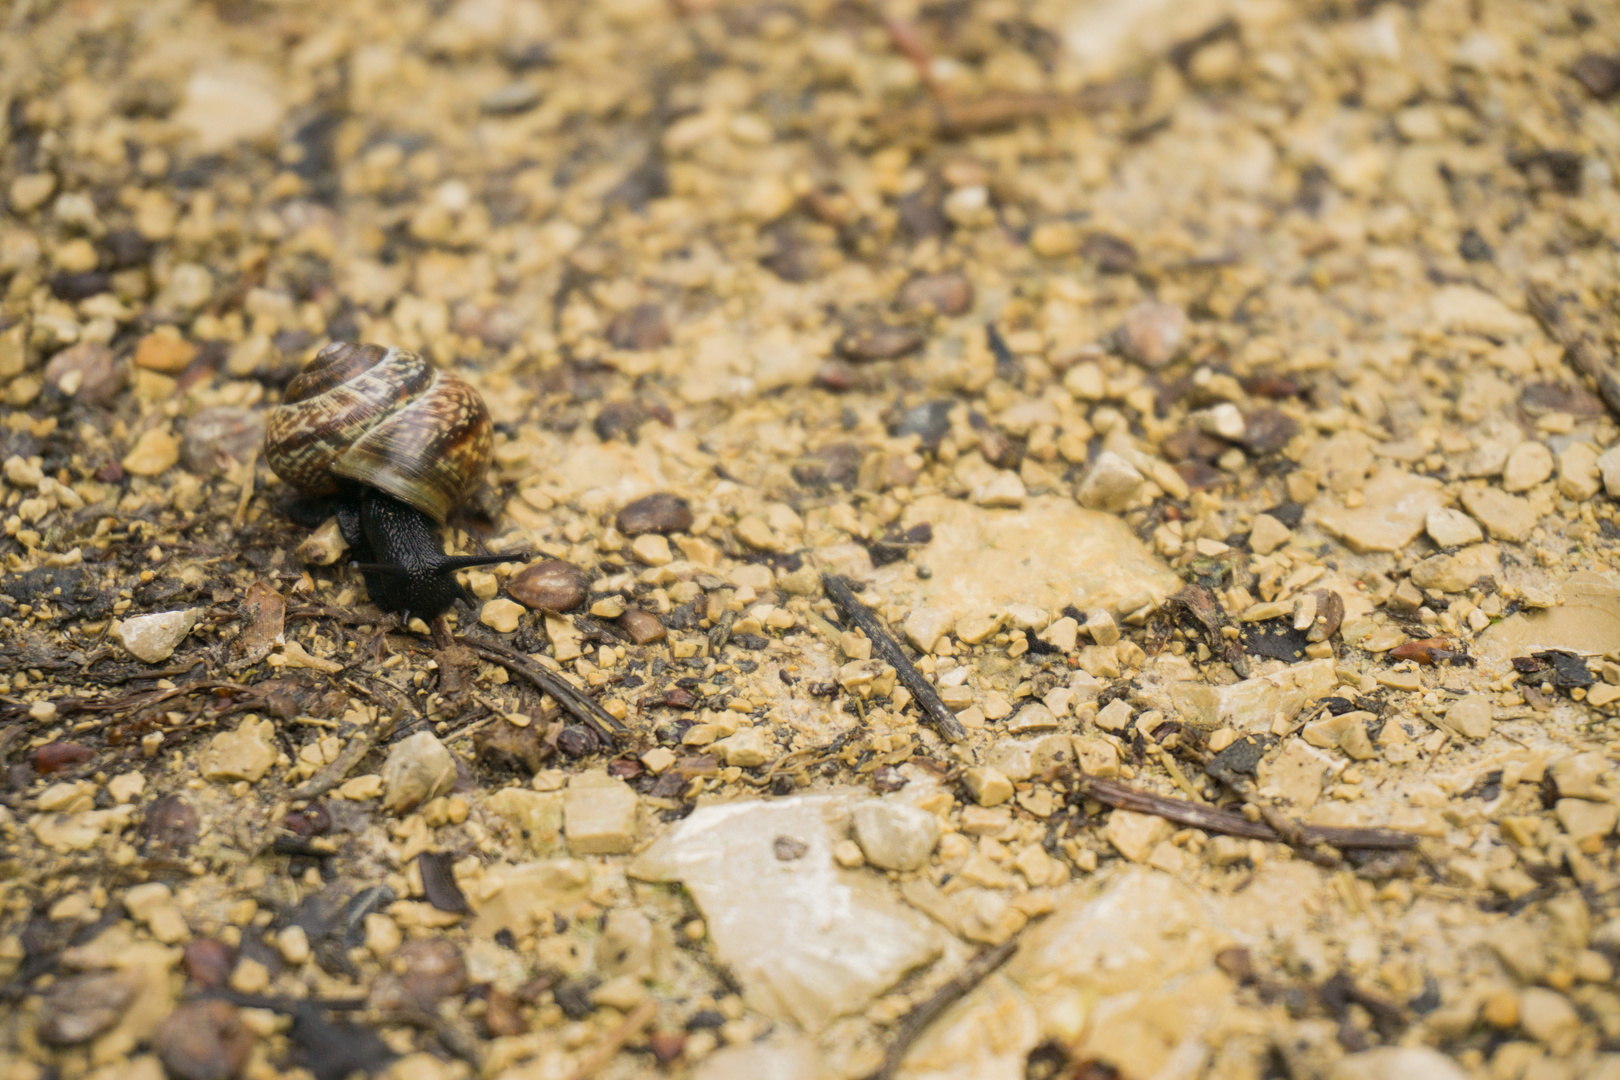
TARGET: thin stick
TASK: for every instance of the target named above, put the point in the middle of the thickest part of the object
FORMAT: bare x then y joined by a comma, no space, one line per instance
332,775
917,1020
577,704
614,1041
1215,820
950,729
1577,346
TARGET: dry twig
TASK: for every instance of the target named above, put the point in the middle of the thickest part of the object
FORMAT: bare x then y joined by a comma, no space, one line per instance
574,701
925,1013
950,729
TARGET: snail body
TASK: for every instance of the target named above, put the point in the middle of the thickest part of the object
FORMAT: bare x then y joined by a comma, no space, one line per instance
389,444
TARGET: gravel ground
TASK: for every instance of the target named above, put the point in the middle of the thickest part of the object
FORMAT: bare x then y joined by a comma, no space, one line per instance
1047,539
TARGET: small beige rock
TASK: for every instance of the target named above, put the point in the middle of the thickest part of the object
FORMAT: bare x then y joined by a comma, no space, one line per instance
1267,534
1114,716
599,815
1582,819
1136,835
152,639
1548,1017
30,190
1608,464
153,454
652,549
417,769
1452,528
1153,333
1578,476
1055,239
1505,517
1110,485
324,546
244,754
1102,627
989,787
501,615
894,835
1471,716
746,748
1528,465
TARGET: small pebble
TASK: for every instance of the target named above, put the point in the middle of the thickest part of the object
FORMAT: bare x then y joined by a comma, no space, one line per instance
948,294
660,513
643,627
552,585
153,638
500,615
203,1040
153,454
1152,333
167,353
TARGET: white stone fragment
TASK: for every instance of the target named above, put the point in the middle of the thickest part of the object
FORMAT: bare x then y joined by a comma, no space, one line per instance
153,638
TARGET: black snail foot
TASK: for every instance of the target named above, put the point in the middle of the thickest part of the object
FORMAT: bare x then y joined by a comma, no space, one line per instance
396,548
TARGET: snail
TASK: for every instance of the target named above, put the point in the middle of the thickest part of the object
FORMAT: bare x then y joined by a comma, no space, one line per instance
389,444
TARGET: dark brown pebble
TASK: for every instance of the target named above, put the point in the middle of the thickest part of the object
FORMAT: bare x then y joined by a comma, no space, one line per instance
642,626
552,585
660,513
1266,431
921,215
1191,444
102,377
642,327
170,825
626,768
217,438
879,341
312,820
203,1040
1000,449
577,741
208,962
126,248
949,293
1275,387
503,1015
79,1008
507,746
667,1046
55,756
439,886
1329,615
1600,74
110,472
74,287
1201,476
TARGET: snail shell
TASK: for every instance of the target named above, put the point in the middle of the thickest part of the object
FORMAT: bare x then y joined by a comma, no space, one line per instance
383,417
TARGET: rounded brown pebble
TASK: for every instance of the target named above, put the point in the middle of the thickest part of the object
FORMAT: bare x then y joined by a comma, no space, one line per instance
503,1015
877,341
552,585
642,626
87,372
208,961
203,1040
949,293
78,1009
642,327
55,756
170,824
217,437
660,513
425,972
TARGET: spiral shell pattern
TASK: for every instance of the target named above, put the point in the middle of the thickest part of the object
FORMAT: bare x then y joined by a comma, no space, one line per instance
383,417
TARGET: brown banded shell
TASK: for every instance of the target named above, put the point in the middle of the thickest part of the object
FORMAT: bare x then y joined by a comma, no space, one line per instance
383,417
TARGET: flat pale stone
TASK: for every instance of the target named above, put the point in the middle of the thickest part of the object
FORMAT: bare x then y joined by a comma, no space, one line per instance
244,754
1457,572
1452,528
599,815
1267,534
748,747
1470,716
1578,474
893,834
153,454
1005,557
1136,835
987,786
1397,1063
807,940
1582,819
535,816
1392,514
1475,311
1527,465
152,639
227,103
1587,622
1547,1016
1297,774
1252,704
926,625
529,892
1505,517
784,1055
1122,972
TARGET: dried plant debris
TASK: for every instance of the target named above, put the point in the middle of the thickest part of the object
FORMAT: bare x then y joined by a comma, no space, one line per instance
1117,501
